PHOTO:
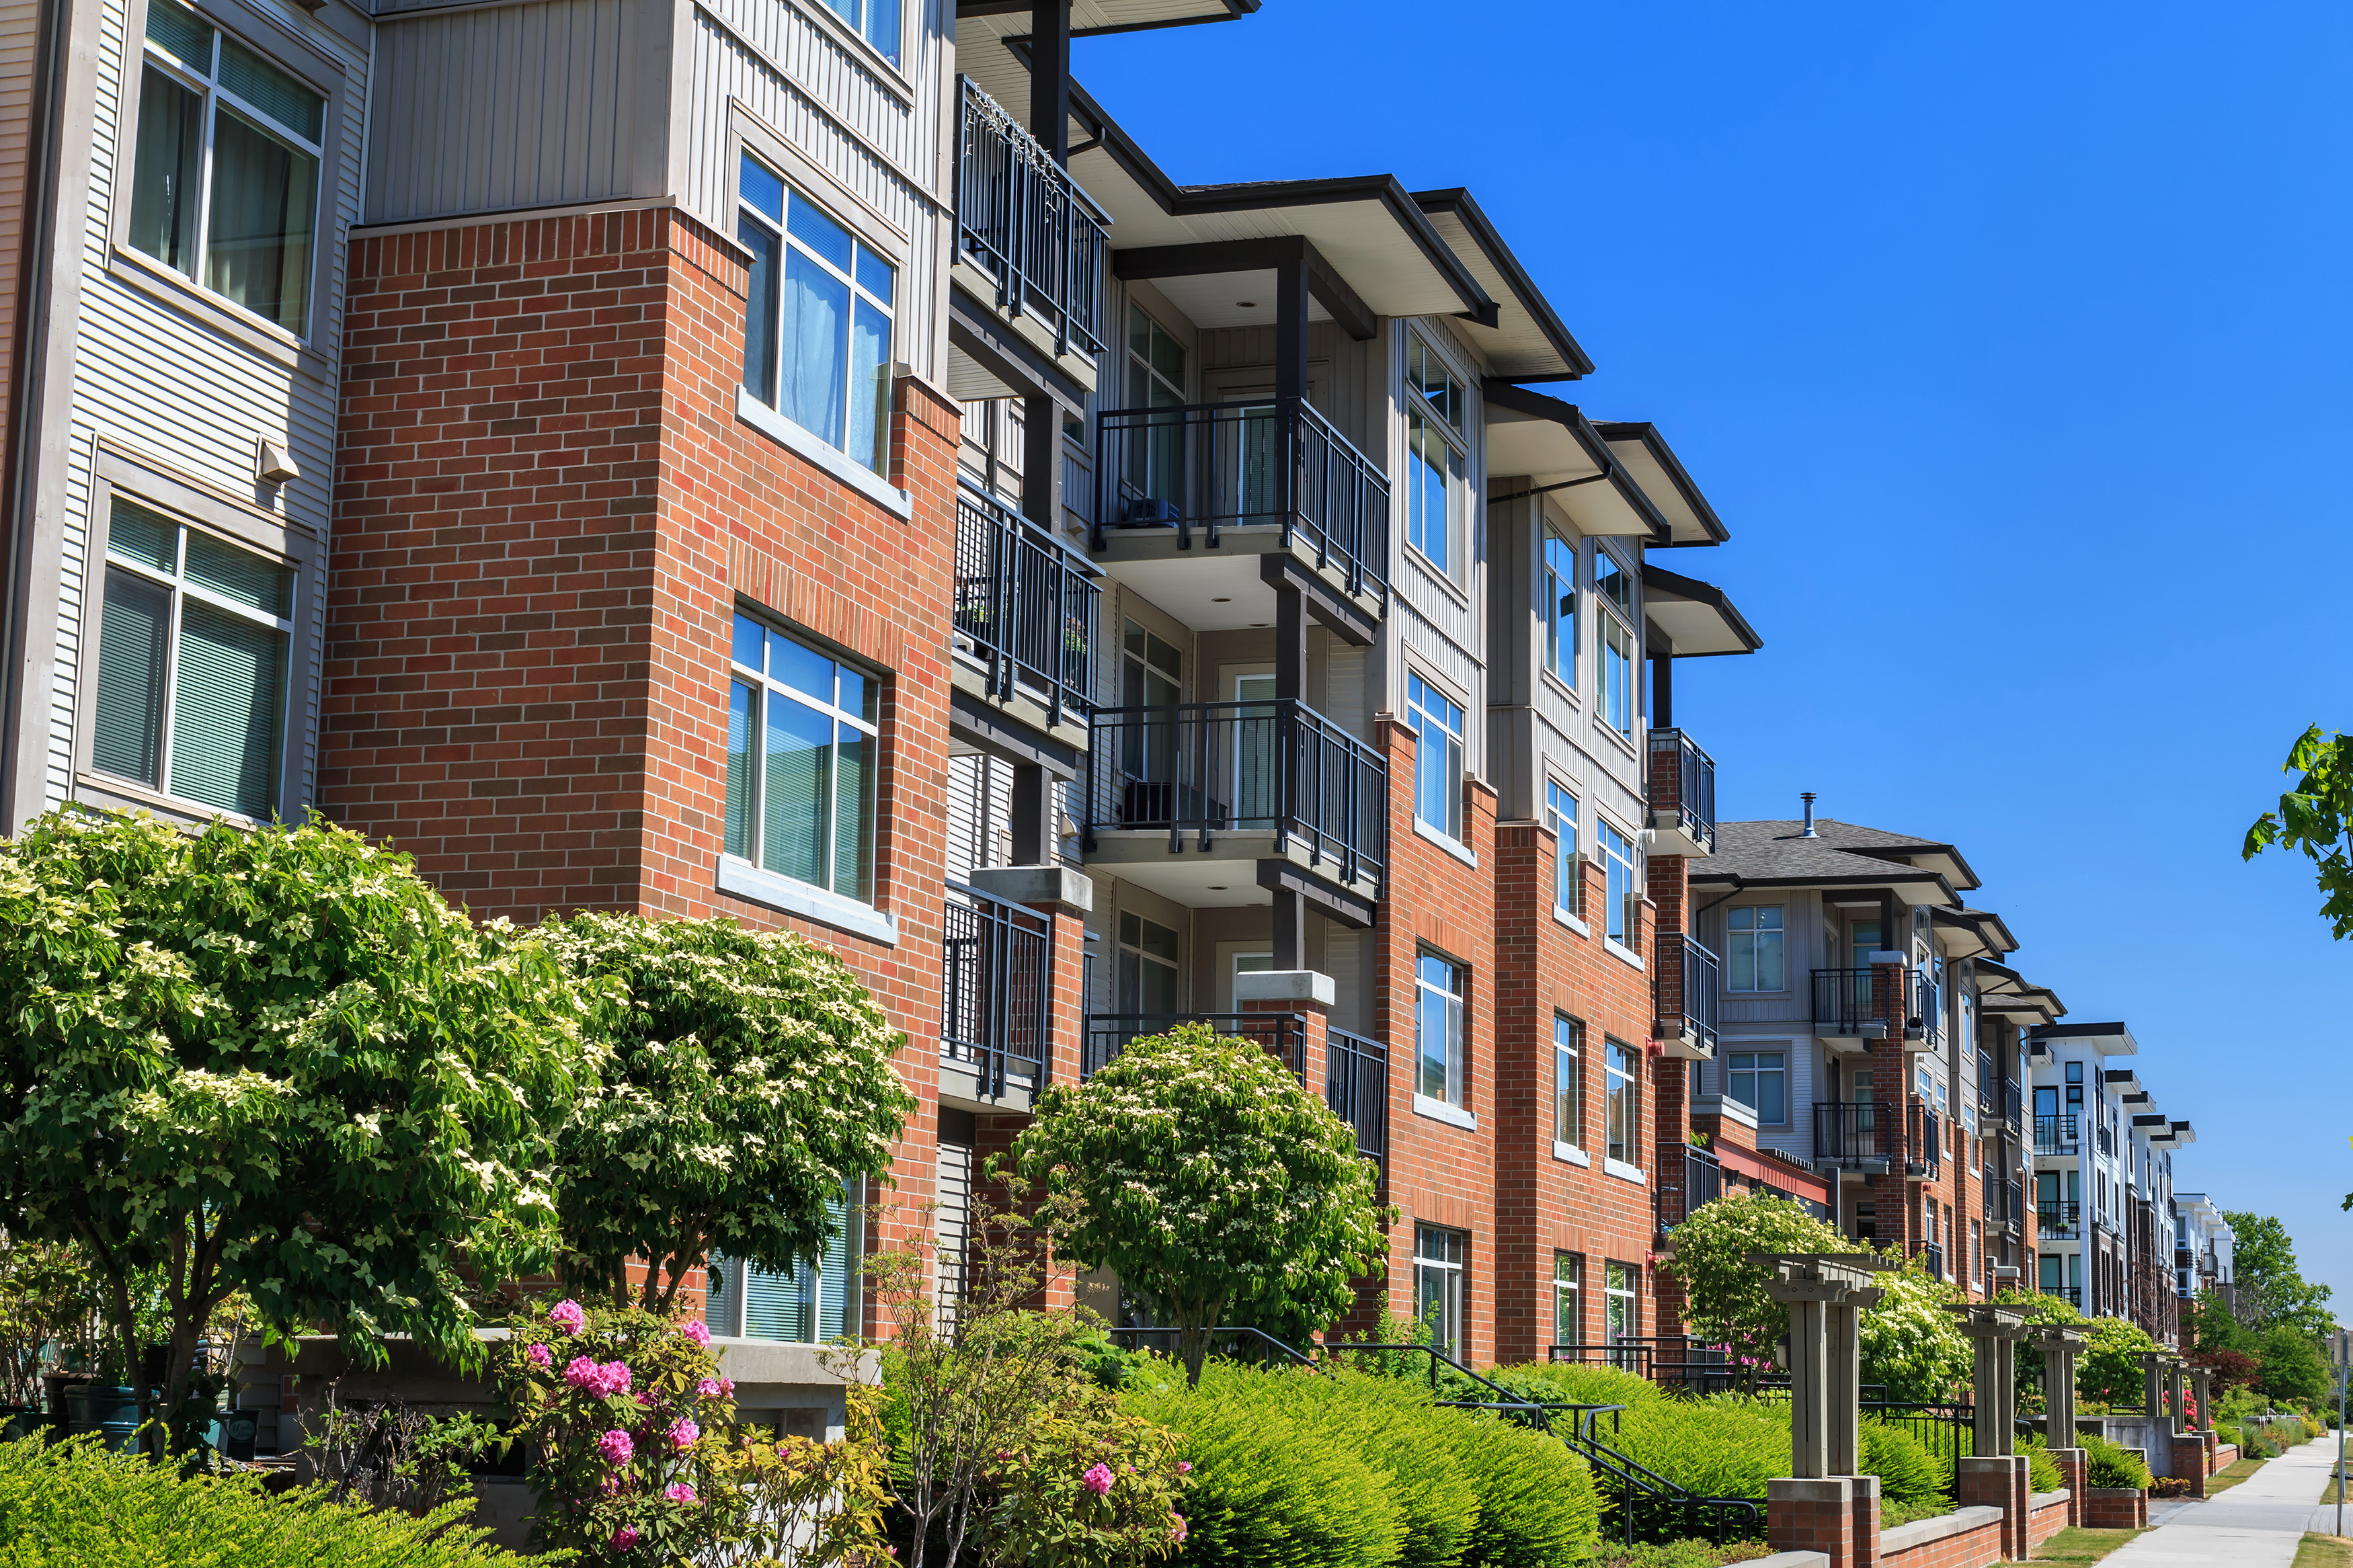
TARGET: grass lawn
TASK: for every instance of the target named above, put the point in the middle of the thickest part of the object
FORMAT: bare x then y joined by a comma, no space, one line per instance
2323,1551
2076,1544
2230,1475
2329,1488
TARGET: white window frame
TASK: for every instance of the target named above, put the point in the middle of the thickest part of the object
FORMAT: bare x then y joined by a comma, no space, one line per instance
1755,933
1568,1290
1559,604
1568,1084
1732,1072
1615,693
1621,1102
1421,412
1621,858
766,688
1423,712
1568,863
1441,1254
1452,1016
1630,1294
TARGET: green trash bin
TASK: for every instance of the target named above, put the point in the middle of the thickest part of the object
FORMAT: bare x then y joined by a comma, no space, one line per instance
237,1432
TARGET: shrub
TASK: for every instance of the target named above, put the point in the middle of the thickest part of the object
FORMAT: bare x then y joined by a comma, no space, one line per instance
1537,1506
1082,1485
1684,1555
74,1505
2107,1464
1564,1383
2110,1369
1394,1427
1908,1473
2043,1472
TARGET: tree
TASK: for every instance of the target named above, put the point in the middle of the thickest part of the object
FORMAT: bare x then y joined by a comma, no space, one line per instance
2272,1289
749,1079
273,1060
2110,1368
2292,1367
1208,1177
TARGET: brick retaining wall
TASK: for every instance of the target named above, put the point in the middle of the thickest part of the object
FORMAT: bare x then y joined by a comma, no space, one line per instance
2047,1516
1968,1537
2115,1507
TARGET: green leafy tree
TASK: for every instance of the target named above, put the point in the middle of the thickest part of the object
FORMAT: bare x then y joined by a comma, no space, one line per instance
2272,1289
2110,1368
1208,1177
749,1078
276,1061
2292,1367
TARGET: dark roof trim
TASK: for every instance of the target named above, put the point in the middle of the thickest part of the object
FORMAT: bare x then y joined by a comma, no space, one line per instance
1873,879
1235,11
1324,281
1648,434
1715,598
2050,1031
1458,200
1538,406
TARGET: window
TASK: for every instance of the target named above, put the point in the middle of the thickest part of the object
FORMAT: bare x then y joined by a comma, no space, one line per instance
1568,1299
1155,477
1754,956
1438,1028
1567,871
224,180
816,331
1560,607
1622,1102
1624,913
1438,1284
194,644
876,21
1614,642
1760,1080
817,1301
1436,720
1436,488
1567,1080
1148,967
801,763
1621,1316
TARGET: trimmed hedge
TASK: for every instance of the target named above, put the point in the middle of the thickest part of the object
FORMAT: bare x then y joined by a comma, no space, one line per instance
1537,1507
2107,1464
74,1505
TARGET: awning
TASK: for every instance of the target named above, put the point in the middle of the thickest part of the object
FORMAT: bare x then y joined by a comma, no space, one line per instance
1556,448
1645,454
1527,342
1696,618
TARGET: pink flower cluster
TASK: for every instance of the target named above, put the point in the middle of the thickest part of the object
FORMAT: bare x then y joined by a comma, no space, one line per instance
696,1331
711,1388
567,1316
682,1434
540,1355
604,1380
1098,1479
626,1538
678,1491
617,1446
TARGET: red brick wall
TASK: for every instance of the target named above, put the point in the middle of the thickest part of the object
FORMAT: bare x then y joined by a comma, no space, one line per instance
2115,1507
1971,1547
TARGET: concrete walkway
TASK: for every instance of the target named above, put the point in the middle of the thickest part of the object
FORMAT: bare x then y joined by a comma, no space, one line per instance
2255,1524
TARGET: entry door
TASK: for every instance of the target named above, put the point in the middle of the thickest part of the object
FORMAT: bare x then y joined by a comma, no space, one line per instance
1256,735
1246,463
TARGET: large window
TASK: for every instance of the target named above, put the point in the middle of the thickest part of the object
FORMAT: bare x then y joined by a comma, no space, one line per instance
1760,1080
1567,869
1560,607
876,21
1568,1299
1436,720
1613,636
1755,958
1438,1270
1148,967
1621,1312
1567,1080
1155,455
814,1302
192,652
1623,1103
1624,914
1438,1028
801,759
225,180
817,330
1437,483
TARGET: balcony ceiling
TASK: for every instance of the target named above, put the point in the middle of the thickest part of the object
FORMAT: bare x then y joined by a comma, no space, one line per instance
1089,18
1699,621
1646,455
2108,1039
1211,590
1548,442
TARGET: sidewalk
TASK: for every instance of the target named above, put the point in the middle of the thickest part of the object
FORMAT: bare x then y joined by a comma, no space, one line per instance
2255,1524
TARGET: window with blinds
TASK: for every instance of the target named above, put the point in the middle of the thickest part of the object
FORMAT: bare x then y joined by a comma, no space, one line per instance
194,636
816,1302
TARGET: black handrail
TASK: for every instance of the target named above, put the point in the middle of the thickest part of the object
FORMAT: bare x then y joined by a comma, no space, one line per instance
2053,1134
2059,1217
1686,988
1683,781
1283,1033
1933,1253
1025,606
996,988
1681,1191
1021,219
1207,768
1847,1004
1924,1002
1924,1147
1357,1088
1273,463
1269,1345
1854,1133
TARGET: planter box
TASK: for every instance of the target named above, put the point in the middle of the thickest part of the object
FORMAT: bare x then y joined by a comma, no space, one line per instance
2115,1507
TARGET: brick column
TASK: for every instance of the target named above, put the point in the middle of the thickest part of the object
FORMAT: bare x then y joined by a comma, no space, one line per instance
1300,993
2189,1461
2003,1481
1817,1515
1865,1516
2071,1463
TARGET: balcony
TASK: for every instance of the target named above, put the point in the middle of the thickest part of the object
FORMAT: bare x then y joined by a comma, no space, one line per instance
2014,1104
1683,989
2012,1218
1855,1135
1357,1088
1024,610
995,990
1247,477
1033,240
1923,1011
2061,1219
1847,1006
1284,1034
1688,1180
1239,779
2058,1134
1932,1255
1924,1153
1683,795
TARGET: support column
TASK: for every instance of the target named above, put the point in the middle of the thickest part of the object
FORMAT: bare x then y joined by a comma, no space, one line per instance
2173,1394
2059,1347
1823,1506
1041,462
2201,1383
2152,1365
1050,77
1035,813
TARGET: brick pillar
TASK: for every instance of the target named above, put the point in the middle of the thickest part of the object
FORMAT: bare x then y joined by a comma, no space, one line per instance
1301,993
1865,1513
2001,1481
2189,1461
1815,1516
2071,1463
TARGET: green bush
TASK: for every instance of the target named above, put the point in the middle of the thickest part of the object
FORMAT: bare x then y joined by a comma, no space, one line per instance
2107,1464
1563,1384
1684,1555
74,1505
1908,1473
1537,1506
2043,1473
1394,1427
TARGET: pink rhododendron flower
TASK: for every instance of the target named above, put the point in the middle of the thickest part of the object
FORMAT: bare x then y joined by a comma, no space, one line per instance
1183,1466
617,1446
678,1491
1098,1479
1181,1527
540,1355
604,1380
697,1331
567,1316
708,1388
626,1538
683,1433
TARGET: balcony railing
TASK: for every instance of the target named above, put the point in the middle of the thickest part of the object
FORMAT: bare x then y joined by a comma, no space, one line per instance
1847,1004
1283,1034
2059,1219
1025,606
1923,1006
1214,466
1923,1146
1682,787
1209,768
1357,1088
2013,1211
2057,1134
1932,1255
1854,1133
1684,989
1021,219
2013,1103
1688,1179
996,988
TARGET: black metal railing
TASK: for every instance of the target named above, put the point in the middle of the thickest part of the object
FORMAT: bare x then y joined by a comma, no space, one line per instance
1923,1006
1284,1034
1847,1004
1687,1179
2013,1205
2013,1103
1209,768
1214,466
2059,1217
1025,606
996,970
1021,219
1924,1143
1854,1133
2057,1134
1944,1429
1357,1088
1932,1254
1685,988
1683,782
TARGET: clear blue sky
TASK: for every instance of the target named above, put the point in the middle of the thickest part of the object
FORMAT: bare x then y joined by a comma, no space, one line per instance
2014,344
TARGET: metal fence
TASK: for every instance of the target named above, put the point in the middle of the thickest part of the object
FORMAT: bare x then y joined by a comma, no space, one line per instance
996,986
1682,780
1025,606
1854,1133
1686,986
1283,1034
1357,1088
1021,219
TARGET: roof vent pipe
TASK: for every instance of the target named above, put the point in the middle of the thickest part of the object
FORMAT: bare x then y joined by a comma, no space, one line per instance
1808,796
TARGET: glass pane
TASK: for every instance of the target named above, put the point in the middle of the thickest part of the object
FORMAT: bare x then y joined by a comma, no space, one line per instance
874,274
1139,335
164,177
836,1303
853,828
869,388
858,693
1167,356
253,581
808,223
796,814
134,533
883,27
741,701
759,187
265,196
760,307
1156,939
816,348
804,669
227,709
749,638
134,650
272,91
182,34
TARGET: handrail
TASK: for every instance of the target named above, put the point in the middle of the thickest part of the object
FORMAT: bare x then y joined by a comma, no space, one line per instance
1024,221
1290,1353
1025,604
996,987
